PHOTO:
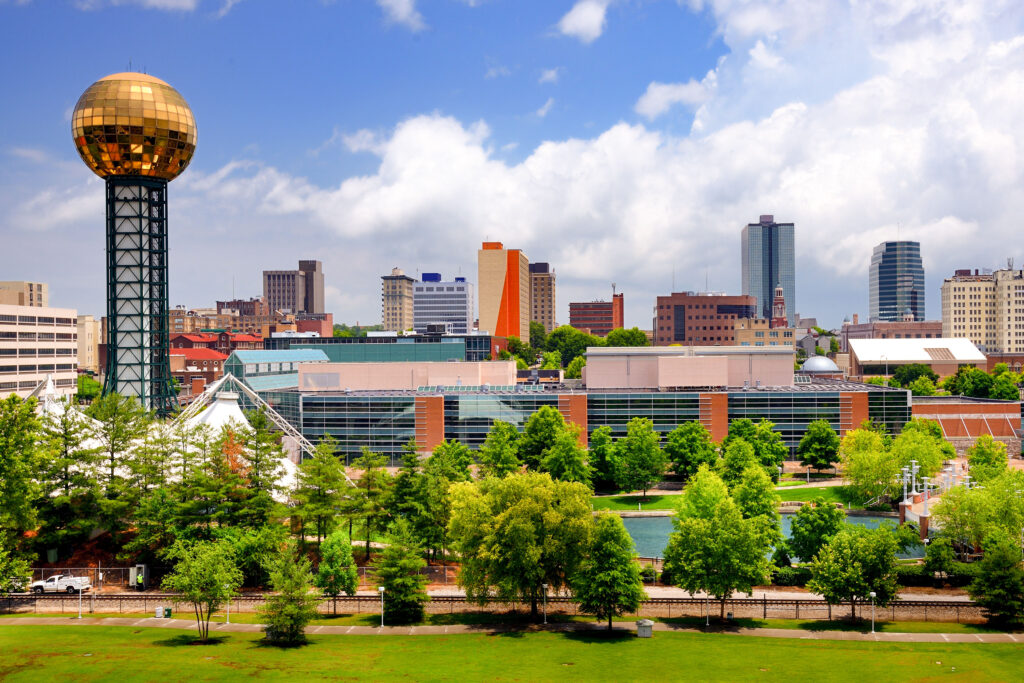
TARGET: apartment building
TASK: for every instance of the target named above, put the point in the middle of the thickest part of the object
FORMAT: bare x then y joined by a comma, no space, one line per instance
987,308
542,295
89,333
396,293
21,293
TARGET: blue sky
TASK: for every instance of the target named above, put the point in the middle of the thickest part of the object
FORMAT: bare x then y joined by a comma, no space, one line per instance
622,141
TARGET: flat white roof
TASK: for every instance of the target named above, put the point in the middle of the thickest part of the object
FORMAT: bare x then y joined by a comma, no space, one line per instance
946,349
689,350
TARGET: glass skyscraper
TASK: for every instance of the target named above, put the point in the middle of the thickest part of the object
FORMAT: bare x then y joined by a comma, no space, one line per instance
768,261
896,281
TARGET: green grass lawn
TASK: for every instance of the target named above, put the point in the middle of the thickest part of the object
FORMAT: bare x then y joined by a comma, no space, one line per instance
840,623
831,494
653,501
49,653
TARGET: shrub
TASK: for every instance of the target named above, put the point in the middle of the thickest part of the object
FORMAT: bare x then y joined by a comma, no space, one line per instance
913,575
791,576
962,574
647,574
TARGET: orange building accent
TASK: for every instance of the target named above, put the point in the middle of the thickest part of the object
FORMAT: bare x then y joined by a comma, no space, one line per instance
714,415
573,408
429,422
853,410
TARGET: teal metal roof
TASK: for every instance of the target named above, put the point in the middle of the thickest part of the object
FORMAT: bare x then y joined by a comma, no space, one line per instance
283,356
272,382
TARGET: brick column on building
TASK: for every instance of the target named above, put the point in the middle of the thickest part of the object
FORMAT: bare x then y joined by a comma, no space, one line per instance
853,410
429,422
714,415
573,408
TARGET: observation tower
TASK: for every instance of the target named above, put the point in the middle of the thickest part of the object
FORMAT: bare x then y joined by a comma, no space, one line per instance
137,133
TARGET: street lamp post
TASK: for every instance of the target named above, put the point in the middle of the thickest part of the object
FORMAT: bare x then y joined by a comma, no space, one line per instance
906,480
913,477
925,481
779,468
872,594
228,588
79,601
545,587
381,589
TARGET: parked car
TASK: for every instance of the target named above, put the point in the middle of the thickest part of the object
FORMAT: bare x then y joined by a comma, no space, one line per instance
62,583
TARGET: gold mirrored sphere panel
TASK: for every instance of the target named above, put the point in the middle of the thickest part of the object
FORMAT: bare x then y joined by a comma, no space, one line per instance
134,124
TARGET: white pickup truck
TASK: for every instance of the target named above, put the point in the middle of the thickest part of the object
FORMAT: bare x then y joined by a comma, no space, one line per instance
62,583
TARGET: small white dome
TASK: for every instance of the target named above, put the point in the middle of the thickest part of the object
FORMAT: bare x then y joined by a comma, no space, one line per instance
819,364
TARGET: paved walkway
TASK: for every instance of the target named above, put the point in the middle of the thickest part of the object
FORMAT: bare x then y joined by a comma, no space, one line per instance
185,625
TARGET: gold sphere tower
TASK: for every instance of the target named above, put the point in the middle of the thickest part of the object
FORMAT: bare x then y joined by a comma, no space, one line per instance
137,133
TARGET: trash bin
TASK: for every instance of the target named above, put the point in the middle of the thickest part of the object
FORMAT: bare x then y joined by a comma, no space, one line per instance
728,616
159,613
167,612
644,628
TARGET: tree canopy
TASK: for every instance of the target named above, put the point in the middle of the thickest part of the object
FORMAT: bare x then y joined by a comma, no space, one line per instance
819,447
607,582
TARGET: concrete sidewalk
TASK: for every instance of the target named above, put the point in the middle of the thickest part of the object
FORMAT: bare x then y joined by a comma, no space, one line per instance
620,627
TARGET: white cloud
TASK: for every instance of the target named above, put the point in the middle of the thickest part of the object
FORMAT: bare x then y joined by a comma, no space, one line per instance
585,21
172,5
918,126
403,12
660,97
546,107
549,75
496,71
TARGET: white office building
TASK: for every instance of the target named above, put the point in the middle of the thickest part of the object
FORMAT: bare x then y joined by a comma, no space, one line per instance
442,303
35,342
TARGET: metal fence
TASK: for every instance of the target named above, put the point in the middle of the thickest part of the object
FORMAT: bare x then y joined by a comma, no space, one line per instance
100,577
739,608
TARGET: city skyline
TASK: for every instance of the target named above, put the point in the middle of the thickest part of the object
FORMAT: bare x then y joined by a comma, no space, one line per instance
608,142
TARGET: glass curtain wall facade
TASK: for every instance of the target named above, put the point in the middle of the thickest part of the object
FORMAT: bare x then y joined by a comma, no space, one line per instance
768,260
896,281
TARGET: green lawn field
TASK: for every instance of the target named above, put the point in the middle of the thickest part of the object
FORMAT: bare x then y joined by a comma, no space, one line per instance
95,653
654,501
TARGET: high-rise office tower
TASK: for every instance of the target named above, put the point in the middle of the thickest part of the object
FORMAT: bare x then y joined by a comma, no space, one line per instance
896,281
542,295
985,308
396,292
443,303
503,286
295,291
768,260
597,317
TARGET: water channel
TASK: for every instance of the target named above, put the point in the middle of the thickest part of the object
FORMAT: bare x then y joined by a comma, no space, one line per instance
650,534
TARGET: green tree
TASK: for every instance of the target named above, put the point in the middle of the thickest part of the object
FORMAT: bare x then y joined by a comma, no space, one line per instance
767,443
404,502
702,495
205,576
263,454
922,386
575,368
538,336
565,459
716,551
755,495
634,336
552,360
987,458
371,494
869,468
819,447
399,570
122,422
435,506
833,346
813,525
539,433
1005,388
291,606
603,460
320,489
570,342
939,556
969,381
907,374
499,454
517,533
454,458
640,458
927,450
19,434
337,572
966,517
689,446
607,582
738,458
855,562
88,388
15,574
999,586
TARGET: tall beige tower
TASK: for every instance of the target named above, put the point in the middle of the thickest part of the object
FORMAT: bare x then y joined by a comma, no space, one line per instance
397,301
19,293
503,287
542,295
